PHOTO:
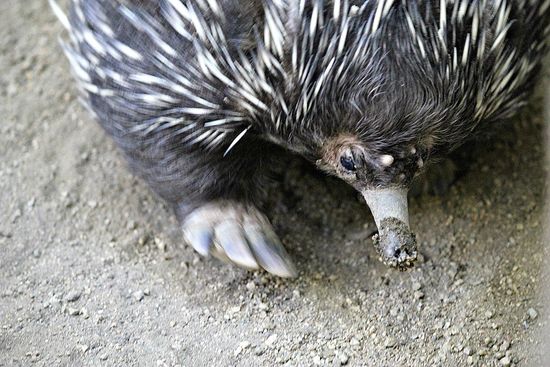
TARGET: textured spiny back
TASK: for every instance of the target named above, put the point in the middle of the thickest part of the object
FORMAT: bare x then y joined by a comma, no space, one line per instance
207,71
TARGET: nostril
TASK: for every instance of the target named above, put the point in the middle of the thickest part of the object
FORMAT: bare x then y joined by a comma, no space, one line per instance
397,252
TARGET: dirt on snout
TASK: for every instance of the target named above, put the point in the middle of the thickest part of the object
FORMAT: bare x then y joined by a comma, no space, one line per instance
395,243
94,272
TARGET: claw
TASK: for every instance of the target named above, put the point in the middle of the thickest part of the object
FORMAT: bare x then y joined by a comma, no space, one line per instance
269,251
229,236
240,234
199,238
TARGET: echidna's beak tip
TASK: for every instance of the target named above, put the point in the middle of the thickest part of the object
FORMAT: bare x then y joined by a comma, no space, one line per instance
395,242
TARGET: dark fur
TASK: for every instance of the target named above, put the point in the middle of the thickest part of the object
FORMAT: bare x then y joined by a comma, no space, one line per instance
392,100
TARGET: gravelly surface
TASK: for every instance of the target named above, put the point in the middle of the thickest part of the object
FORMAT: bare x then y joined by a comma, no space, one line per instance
93,271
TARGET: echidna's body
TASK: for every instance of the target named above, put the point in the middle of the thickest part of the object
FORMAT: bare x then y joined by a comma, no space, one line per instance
195,91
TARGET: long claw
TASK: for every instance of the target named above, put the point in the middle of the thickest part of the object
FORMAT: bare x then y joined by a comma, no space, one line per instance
229,236
269,251
239,234
200,237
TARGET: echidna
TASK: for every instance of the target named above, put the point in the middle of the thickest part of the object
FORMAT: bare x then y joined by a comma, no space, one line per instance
197,92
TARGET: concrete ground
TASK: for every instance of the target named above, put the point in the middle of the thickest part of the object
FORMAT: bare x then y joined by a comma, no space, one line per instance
93,270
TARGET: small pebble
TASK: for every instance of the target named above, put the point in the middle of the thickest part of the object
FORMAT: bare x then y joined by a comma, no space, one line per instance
505,361
142,240
184,267
234,309
160,244
72,296
138,295
83,347
342,358
390,342
532,313
250,286
505,346
73,311
271,340
242,346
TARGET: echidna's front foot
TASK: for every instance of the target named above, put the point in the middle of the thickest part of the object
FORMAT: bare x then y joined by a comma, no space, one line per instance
237,233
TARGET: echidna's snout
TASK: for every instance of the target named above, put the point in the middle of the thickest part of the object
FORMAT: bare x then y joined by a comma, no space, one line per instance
395,242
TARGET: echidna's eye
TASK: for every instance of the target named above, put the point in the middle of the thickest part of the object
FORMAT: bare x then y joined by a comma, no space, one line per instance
347,162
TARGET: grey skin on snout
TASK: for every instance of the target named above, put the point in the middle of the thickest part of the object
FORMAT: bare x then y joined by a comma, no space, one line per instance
395,242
